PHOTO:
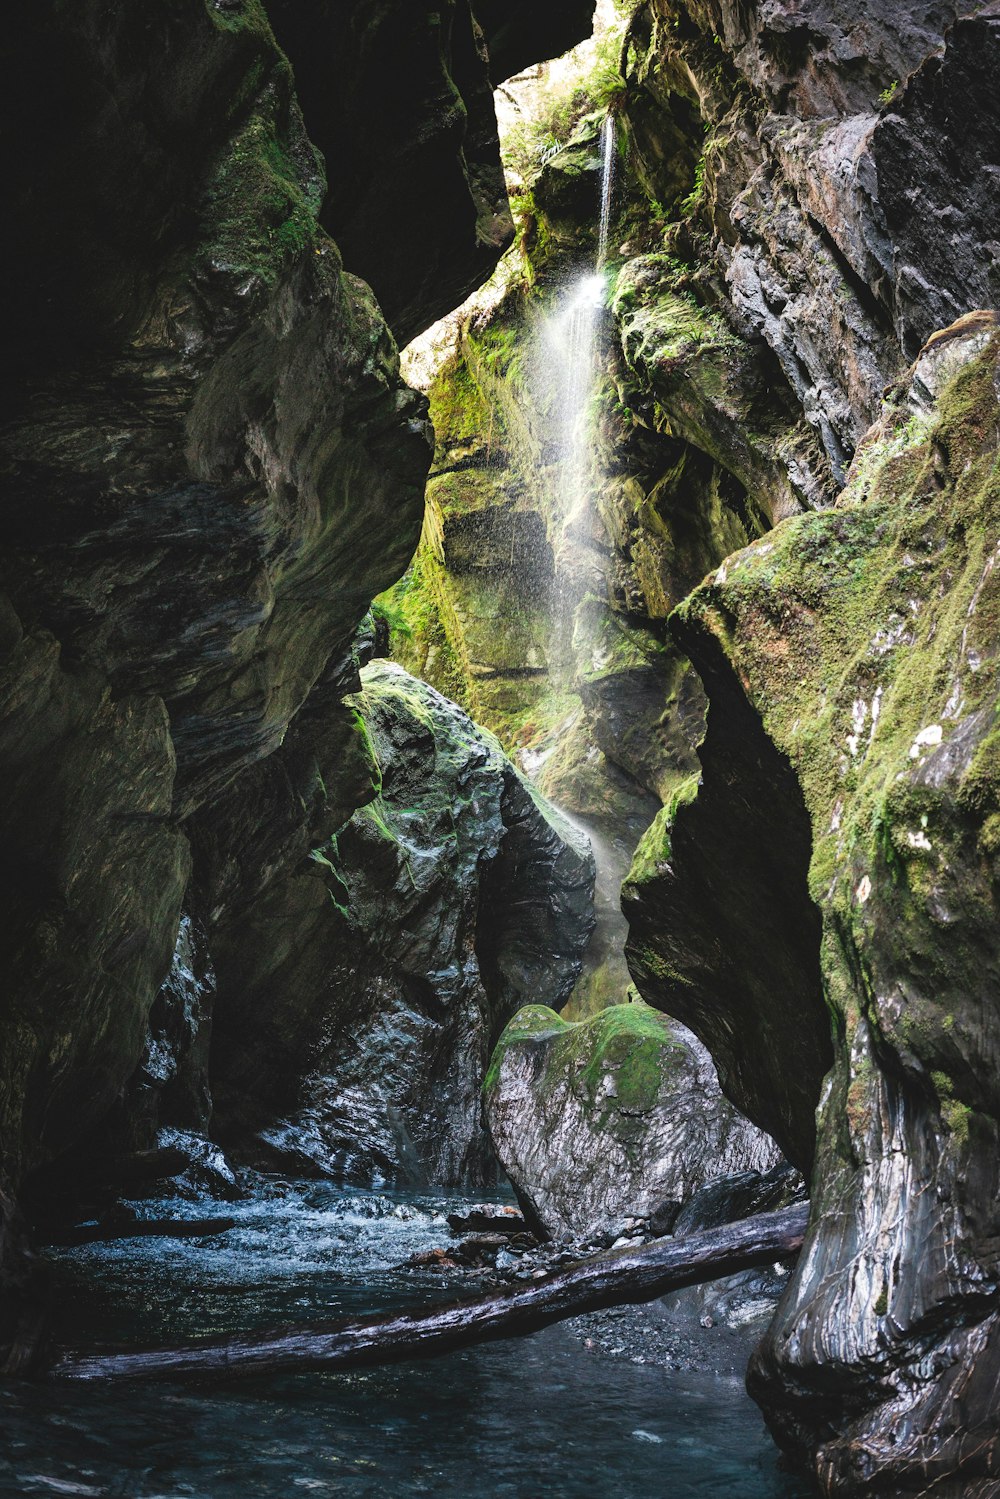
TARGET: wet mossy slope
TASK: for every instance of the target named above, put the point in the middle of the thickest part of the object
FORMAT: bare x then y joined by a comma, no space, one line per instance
859,649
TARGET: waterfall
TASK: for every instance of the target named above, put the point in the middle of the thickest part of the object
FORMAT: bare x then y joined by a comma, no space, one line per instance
607,186
571,346
570,354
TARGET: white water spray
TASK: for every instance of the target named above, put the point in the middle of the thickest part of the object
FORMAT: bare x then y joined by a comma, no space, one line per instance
607,186
571,349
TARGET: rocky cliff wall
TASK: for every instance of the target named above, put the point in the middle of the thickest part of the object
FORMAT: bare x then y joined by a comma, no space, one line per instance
857,649
839,210
810,195
212,467
206,392
361,992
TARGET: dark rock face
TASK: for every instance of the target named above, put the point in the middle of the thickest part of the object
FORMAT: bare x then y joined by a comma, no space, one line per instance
171,1086
935,153
519,33
93,873
832,57
359,996
212,467
602,1122
864,642
726,1199
400,104
689,940
398,95
825,131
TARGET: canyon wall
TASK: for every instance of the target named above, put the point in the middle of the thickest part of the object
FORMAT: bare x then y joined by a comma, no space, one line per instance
212,468
820,905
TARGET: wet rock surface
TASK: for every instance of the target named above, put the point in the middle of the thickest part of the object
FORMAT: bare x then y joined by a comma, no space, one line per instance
819,129
364,992
212,431
864,643
602,1123
212,468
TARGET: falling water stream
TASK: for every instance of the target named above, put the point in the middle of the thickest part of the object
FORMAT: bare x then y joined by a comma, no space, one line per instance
571,347
568,369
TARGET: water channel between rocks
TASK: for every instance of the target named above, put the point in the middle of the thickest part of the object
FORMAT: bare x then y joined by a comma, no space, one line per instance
555,1414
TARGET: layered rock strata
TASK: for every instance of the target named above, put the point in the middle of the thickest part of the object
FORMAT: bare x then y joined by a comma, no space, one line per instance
839,209
602,1122
212,468
361,994
857,650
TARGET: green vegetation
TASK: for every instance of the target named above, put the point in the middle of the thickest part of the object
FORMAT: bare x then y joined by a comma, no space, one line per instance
261,205
860,635
558,108
629,1043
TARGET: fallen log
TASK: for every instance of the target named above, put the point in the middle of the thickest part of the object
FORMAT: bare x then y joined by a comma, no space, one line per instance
610,1279
139,1228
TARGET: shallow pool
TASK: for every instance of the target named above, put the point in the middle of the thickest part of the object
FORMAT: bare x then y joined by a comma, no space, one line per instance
544,1416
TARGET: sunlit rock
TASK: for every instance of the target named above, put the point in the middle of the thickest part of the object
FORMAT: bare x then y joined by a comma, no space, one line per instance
609,1120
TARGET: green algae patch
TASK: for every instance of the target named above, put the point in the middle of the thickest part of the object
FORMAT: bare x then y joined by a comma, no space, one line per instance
262,200
710,387
865,640
617,1059
652,854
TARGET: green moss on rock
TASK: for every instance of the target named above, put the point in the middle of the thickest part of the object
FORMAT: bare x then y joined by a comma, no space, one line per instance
630,1044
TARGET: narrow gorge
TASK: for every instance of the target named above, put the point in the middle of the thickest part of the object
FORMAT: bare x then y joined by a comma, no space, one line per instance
499,693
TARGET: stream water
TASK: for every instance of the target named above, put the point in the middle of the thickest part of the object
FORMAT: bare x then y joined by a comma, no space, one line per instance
539,1416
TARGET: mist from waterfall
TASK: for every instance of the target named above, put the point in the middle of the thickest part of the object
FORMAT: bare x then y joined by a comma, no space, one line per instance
569,363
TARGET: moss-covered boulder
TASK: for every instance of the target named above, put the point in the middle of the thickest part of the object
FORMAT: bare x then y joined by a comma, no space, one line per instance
831,895
604,1120
713,389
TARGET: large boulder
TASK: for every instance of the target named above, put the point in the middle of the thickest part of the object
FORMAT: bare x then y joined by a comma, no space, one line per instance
831,896
361,994
618,1117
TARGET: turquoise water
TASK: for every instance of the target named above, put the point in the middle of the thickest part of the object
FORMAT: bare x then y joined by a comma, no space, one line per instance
543,1416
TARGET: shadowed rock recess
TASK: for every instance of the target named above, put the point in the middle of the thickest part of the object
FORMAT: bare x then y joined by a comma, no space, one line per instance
864,643
212,467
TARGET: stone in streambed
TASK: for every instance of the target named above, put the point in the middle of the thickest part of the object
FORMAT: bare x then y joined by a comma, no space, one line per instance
729,1198
488,1219
599,1122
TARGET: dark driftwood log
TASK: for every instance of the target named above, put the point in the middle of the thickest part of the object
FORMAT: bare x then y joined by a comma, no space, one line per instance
140,1228
625,1275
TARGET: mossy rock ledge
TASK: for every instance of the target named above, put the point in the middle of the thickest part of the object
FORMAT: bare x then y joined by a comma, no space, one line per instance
825,914
609,1119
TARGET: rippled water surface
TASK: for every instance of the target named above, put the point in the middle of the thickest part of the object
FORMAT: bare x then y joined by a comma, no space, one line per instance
543,1416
